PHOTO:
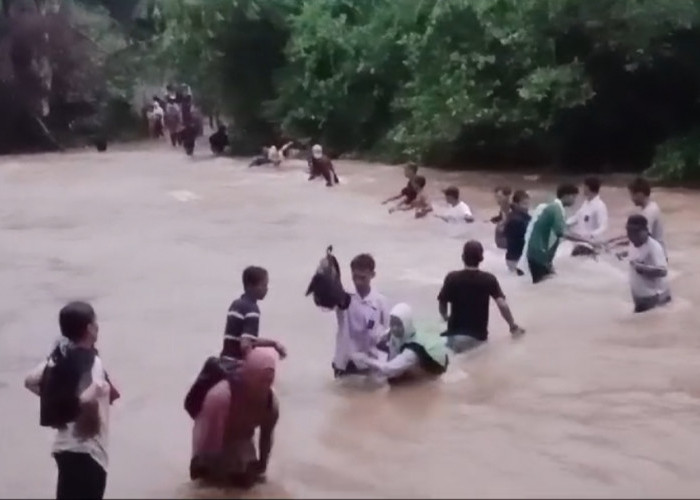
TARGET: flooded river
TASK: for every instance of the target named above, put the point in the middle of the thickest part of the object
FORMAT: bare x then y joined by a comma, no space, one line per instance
593,402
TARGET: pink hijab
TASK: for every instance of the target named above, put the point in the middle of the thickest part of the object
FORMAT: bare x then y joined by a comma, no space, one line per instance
259,367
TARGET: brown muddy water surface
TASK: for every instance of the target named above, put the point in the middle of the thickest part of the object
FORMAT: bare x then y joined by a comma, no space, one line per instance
592,402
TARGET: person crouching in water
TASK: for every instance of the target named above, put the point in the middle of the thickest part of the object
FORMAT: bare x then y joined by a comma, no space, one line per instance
321,165
222,437
515,229
219,140
408,193
271,155
648,266
412,354
420,203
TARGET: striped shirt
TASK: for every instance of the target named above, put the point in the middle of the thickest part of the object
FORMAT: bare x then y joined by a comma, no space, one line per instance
243,321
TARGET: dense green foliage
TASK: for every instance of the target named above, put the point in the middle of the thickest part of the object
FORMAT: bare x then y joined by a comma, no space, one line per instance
591,84
68,69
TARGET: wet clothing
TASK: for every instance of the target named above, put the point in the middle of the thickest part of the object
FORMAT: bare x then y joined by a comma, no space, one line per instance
514,232
539,271
413,353
218,142
591,219
548,227
323,166
360,328
468,293
499,232
223,432
409,193
648,292
652,212
243,321
457,213
80,476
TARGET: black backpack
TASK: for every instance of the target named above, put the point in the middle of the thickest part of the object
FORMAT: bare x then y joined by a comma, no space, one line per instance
326,287
59,402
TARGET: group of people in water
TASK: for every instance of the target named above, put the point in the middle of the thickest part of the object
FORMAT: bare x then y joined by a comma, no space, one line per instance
232,398
177,115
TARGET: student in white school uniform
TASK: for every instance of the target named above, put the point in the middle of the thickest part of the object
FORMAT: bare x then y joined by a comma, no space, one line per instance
640,194
457,210
591,219
363,323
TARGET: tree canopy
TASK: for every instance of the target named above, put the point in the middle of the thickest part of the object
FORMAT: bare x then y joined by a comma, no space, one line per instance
596,84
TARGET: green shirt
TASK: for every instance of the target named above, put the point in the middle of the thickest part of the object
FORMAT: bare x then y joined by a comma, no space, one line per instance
546,233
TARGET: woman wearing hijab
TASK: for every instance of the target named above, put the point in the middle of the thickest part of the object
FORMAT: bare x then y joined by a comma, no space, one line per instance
222,438
411,353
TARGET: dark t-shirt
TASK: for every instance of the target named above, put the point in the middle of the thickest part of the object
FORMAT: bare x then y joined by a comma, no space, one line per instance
514,231
468,292
243,321
409,192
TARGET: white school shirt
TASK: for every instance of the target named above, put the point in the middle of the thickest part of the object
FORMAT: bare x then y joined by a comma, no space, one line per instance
591,219
457,213
360,327
650,253
652,213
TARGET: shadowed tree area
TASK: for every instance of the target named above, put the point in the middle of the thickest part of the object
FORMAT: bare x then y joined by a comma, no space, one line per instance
62,71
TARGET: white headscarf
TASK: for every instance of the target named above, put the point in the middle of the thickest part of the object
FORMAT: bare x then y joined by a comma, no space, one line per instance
317,151
404,314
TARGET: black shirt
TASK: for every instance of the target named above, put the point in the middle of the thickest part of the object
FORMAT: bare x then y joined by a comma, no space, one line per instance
243,321
468,292
514,231
409,192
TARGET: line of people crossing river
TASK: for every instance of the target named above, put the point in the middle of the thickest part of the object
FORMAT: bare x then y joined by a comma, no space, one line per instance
232,398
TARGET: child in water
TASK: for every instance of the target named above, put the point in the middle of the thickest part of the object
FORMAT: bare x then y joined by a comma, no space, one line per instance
420,203
408,193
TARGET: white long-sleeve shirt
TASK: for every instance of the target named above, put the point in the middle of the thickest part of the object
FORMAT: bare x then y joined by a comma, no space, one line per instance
591,219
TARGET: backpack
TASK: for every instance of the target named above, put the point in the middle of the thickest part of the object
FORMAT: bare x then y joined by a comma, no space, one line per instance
59,402
325,285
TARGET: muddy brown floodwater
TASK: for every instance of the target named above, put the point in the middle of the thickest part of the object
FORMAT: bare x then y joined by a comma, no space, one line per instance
593,402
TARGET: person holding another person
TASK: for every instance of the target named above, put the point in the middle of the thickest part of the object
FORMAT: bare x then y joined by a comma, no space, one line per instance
515,229
464,302
591,220
648,266
408,193
223,450
547,228
412,354
362,320
457,210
